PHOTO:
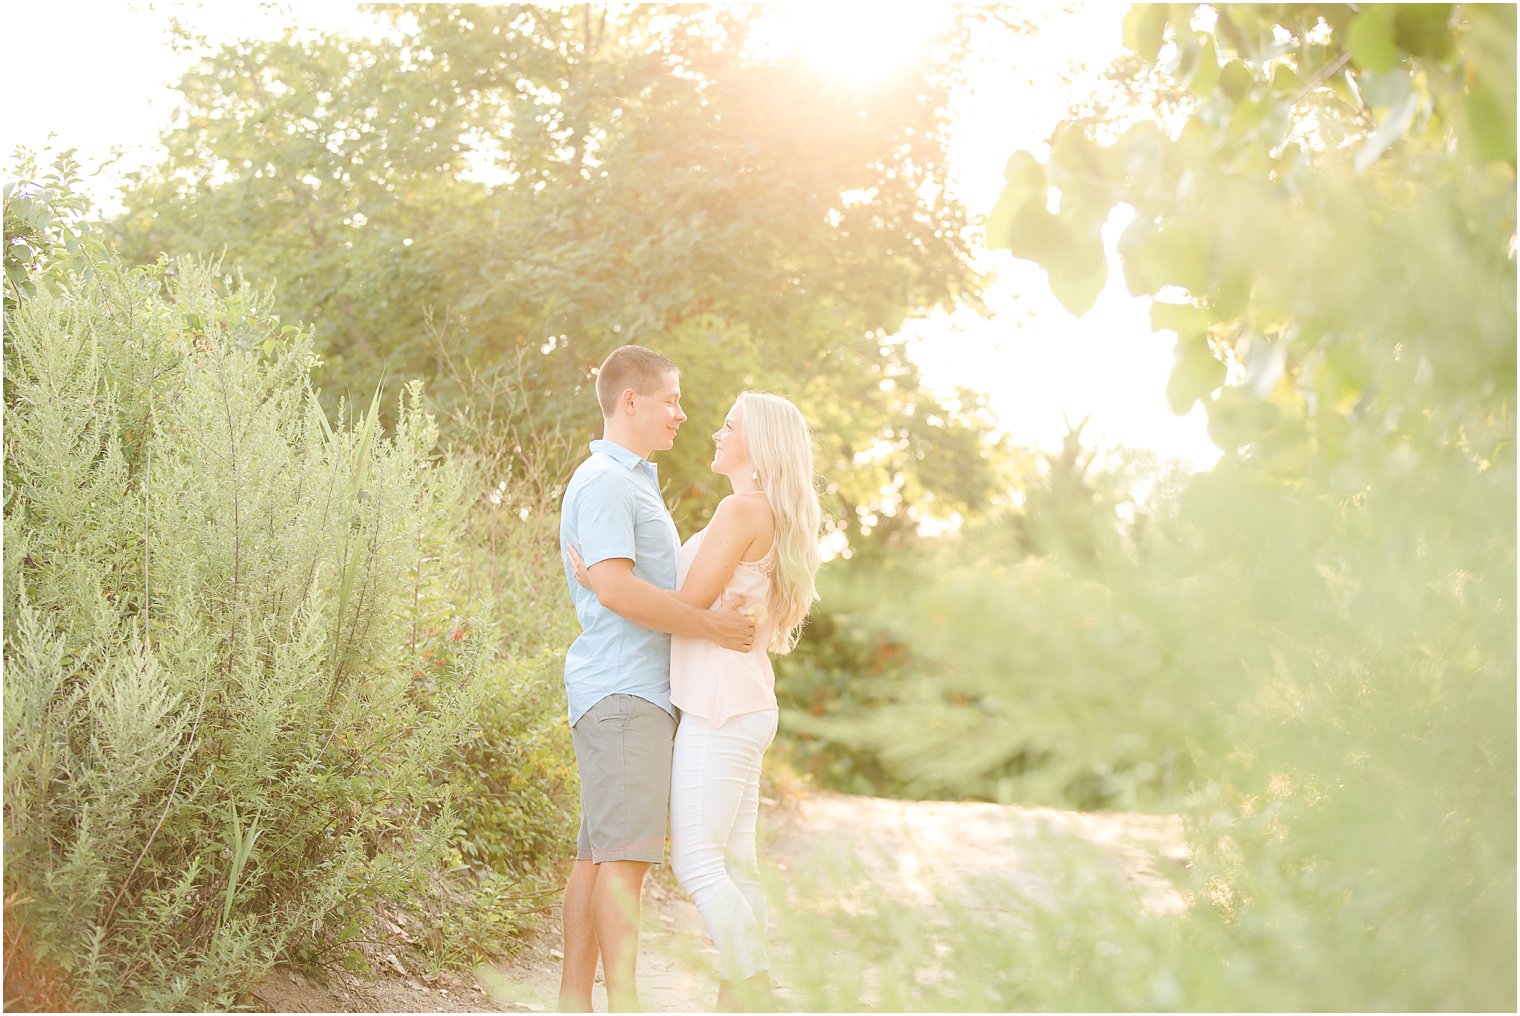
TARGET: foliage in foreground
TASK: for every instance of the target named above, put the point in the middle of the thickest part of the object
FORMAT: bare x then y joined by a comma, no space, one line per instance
1330,708
1323,627
221,740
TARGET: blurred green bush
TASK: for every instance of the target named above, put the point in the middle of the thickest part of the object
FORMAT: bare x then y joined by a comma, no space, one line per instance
1323,687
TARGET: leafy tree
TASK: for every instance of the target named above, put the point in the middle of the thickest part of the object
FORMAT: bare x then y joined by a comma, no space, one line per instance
1321,156
46,238
486,182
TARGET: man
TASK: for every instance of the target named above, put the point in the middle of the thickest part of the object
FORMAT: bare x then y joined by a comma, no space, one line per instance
617,672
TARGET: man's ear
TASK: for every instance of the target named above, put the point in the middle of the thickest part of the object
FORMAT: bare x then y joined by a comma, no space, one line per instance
625,401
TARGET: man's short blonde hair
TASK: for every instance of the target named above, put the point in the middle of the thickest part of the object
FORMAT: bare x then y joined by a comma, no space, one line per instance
634,367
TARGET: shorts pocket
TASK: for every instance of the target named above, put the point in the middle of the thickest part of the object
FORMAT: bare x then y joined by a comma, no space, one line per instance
614,710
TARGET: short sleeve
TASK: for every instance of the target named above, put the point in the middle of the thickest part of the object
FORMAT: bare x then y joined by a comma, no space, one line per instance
604,518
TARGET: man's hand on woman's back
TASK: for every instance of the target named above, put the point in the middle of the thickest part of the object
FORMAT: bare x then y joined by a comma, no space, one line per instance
622,592
732,630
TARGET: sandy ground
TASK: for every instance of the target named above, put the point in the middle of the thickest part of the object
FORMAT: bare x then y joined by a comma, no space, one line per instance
828,854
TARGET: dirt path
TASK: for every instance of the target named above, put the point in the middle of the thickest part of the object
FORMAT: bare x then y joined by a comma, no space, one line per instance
830,854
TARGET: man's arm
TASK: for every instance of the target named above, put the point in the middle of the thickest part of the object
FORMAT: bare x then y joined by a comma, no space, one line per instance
621,591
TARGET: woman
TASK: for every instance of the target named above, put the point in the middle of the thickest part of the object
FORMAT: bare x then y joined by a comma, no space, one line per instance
761,549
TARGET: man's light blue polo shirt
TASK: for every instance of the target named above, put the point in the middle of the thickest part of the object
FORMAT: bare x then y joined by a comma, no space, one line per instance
613,508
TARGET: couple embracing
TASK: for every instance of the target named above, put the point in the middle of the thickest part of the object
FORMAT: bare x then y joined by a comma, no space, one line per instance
668,631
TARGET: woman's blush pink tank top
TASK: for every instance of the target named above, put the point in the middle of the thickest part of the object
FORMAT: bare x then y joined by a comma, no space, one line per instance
718,684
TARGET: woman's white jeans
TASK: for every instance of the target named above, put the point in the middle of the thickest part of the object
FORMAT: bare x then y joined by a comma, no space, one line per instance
714,802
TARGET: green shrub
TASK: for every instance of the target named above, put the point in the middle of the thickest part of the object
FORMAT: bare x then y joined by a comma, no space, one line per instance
219,743
516,789
1015,662
846,665
1009,680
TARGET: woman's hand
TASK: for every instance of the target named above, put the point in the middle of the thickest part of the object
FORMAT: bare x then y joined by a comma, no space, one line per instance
582,575
752,609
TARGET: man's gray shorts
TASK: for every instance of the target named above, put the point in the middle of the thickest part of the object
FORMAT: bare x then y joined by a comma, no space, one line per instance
622,747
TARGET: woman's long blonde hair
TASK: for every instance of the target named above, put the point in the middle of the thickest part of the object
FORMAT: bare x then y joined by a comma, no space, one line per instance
781,450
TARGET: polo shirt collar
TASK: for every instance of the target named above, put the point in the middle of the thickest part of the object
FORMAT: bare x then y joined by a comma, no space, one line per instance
622,455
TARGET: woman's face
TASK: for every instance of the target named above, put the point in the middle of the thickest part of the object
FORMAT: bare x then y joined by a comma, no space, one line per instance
732,455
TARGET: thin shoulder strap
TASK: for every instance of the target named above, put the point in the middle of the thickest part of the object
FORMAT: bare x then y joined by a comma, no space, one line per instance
770,551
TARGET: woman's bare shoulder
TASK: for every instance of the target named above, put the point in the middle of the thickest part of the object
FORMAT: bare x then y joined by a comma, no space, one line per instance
745,513
749,507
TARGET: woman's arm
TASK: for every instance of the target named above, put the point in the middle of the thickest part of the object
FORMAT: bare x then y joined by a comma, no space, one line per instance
740,525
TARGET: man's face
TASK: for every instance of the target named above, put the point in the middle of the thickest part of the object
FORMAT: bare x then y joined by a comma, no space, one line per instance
657,416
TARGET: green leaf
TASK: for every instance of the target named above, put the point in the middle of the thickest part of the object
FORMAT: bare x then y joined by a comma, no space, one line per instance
1235,80
1370,40
1144,29
1205,70
1236,418
1187,320
1195,374
321,414
1024,175
1285,82
1345,88
1068,246
1035,235
1139,150
242,848
1078,290
1251,115
1025,185
367,439
1493,124
1229,31
1154,258
1230,292
1490,72
25,209
1423,30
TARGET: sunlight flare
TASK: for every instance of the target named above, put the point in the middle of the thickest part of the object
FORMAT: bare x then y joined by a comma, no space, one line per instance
858,42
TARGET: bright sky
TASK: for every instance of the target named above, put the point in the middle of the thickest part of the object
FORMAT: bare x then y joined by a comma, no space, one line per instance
1039,365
